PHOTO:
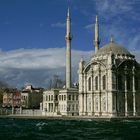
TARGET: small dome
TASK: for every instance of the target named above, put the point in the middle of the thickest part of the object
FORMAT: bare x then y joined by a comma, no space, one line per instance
114,48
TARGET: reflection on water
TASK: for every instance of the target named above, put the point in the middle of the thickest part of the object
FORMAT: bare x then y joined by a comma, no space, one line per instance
15,129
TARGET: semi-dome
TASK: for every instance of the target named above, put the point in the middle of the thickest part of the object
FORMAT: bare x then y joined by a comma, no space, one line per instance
114,48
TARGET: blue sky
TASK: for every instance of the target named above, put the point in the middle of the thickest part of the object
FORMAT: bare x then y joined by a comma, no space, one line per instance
32,35
41,23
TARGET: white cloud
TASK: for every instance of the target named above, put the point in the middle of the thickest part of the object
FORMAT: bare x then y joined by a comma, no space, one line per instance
58,25
37,66
108,8
89,26
134,42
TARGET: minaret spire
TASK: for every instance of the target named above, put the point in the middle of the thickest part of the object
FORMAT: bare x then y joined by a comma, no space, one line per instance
68,50
68,13
97,38
112,39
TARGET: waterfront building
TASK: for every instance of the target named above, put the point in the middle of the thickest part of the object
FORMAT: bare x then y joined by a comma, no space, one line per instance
63,101
31,97
11,98
109,82
50,102
60,102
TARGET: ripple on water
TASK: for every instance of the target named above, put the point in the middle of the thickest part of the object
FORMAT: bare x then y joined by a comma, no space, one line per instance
68,129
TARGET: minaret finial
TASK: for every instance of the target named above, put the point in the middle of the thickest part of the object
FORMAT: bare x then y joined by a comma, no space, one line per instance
96,18
68,13
112,39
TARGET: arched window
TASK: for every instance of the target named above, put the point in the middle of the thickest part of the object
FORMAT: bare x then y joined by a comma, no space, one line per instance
120,82
104,82
96,82
128,83
89,84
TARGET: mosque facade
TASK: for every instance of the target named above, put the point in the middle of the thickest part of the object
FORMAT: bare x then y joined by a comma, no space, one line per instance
108,83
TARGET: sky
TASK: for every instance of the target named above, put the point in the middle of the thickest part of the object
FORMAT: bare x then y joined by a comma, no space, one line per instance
32,35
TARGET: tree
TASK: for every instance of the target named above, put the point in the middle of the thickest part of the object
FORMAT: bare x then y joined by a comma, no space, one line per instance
3,86
56,82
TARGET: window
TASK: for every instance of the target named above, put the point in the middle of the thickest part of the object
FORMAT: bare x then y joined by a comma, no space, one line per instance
104,82
76,106
76,97
56,97
113,81
73,97
51,97
89,84
120,82
46,98
60,97
69,97
69,108
96,82
64,97
73,107
128,83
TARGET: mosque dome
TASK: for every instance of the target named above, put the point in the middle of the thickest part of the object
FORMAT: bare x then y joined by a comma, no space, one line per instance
114,48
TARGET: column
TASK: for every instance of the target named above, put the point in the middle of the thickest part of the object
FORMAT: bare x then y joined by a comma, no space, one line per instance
134,92
85,103
53,107
49,107
81,103
99,86
85,92
85,83
106,91
92,104
20,109
125,83
92,94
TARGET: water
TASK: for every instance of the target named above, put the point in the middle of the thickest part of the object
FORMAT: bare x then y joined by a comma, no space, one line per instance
24,129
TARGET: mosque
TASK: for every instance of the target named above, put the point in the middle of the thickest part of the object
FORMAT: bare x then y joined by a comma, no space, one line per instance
108,83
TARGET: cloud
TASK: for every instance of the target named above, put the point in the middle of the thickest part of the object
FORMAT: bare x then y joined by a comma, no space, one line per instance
108,8
89,26
134,42
37,66
58,25
120,18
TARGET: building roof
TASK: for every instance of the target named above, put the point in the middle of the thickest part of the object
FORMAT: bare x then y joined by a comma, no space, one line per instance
114,48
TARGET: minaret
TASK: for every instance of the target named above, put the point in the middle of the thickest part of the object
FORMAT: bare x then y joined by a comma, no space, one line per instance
68,50
97,38
112,39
